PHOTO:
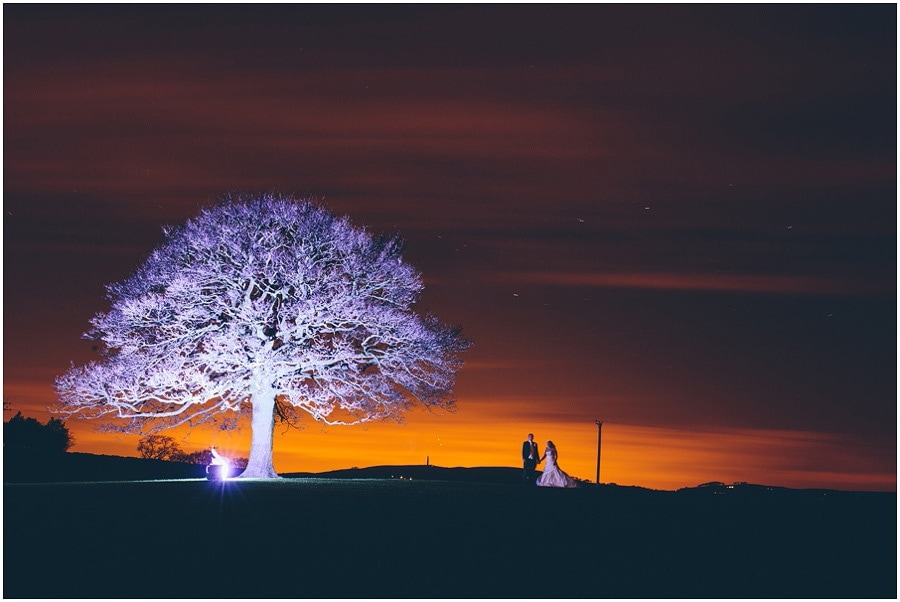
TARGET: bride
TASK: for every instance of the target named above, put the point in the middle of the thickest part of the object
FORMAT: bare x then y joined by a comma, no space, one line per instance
553,476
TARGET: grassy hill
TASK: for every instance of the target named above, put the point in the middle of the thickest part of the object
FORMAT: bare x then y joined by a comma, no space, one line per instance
368,533
74,467
79,467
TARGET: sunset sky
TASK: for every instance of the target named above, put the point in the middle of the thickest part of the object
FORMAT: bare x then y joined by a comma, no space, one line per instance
678,220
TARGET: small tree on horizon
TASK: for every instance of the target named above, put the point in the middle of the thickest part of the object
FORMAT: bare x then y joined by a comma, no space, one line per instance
266,306
159,447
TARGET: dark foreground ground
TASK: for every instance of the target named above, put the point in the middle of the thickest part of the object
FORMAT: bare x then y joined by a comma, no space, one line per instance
374,538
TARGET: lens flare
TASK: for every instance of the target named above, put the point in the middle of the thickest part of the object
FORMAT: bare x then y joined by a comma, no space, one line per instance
219,468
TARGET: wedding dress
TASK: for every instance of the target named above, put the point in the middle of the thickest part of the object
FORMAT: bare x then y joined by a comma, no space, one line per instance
553,475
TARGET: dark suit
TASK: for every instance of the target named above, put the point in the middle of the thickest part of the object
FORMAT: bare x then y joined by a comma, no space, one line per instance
529,449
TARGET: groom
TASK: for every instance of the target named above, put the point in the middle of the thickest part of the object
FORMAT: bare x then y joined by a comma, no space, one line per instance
530,458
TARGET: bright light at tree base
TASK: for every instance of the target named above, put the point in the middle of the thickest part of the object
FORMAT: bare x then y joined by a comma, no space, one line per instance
218,472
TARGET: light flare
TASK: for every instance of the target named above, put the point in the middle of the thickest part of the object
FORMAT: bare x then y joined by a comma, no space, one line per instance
219,468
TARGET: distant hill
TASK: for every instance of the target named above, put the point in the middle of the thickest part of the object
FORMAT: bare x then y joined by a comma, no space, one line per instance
79,467
481,474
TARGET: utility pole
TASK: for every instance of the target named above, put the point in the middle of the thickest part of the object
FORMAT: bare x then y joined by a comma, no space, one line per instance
599,433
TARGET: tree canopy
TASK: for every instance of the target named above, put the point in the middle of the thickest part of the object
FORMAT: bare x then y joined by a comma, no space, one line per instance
265,305
159,447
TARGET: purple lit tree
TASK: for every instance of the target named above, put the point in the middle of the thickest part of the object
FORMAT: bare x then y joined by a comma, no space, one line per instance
270,306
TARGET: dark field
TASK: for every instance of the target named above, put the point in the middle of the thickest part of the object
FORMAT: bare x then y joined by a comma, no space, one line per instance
361,538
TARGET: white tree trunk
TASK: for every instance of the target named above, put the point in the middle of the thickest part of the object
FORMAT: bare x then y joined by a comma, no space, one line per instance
262,424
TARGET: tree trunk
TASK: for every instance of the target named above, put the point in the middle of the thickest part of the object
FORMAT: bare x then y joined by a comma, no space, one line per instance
262,424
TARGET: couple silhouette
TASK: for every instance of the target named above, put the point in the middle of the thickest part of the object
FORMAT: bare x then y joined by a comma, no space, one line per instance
553,475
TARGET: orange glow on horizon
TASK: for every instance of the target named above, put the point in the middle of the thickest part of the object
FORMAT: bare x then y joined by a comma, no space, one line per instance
489,432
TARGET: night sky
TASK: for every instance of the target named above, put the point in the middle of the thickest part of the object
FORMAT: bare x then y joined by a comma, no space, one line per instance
678,220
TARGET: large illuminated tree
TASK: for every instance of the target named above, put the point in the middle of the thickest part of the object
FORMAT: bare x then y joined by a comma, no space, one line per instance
265,305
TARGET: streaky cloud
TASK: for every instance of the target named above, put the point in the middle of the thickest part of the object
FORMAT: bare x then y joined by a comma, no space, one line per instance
743,283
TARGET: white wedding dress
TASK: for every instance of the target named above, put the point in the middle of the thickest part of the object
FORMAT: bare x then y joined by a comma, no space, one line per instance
553,475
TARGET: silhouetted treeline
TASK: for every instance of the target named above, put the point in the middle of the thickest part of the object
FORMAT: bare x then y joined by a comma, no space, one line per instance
28,436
